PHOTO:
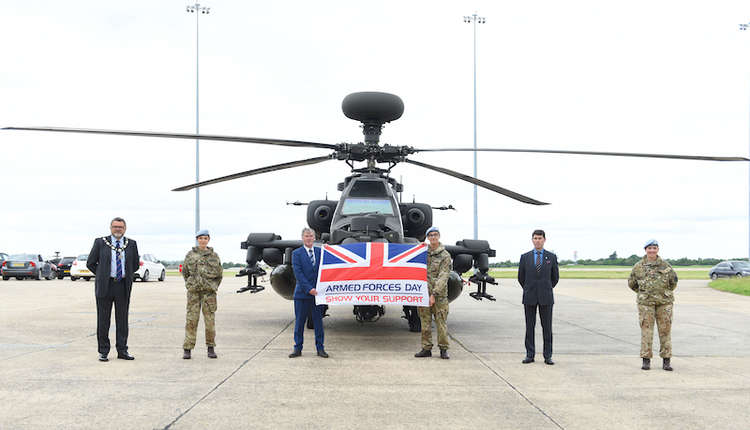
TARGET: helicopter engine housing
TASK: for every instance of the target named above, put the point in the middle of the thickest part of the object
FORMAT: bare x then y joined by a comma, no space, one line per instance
416,219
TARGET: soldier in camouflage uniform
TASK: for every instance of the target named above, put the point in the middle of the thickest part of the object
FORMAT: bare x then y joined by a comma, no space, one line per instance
654,280
438,270
202,272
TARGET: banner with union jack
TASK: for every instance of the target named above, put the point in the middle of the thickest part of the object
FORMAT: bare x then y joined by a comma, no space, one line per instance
373,273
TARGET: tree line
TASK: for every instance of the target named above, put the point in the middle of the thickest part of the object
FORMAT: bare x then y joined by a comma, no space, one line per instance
614,260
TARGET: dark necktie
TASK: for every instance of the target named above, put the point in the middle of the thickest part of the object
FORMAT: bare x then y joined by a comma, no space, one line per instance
118,262
312,257
538,258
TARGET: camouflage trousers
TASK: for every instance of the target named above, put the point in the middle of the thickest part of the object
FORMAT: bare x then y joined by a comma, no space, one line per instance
662,315
197,301
439,311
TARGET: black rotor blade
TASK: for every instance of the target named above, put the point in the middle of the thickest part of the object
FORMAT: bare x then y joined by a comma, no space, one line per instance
613,154
479,182
281,142
256,172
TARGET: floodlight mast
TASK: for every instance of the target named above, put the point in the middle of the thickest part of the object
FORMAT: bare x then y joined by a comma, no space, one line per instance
475,19
745,27
198,10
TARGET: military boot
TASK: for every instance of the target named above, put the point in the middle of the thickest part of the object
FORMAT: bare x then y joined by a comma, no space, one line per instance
666,365
423,353
211,353
646,364
186,354
444,354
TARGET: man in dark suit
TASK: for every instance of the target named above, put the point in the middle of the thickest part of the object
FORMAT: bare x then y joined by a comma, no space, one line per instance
538,274
305,263
114,259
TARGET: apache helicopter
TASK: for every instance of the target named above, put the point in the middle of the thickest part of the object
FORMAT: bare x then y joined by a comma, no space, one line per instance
368,209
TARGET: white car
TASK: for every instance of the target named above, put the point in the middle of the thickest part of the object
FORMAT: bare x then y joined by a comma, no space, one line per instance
78,268
149,268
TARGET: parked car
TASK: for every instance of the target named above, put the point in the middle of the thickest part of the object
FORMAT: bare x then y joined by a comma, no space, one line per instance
3,257
78,268
730,268
149,267
63,266
23,266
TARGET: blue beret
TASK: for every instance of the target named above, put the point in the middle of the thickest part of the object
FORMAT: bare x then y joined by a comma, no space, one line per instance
431,229
203,232
650,242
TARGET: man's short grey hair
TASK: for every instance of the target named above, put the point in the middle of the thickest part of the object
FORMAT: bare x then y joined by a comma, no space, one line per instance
117,218
306,230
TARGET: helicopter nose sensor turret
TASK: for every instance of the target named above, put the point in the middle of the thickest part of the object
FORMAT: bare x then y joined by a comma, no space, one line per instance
372,109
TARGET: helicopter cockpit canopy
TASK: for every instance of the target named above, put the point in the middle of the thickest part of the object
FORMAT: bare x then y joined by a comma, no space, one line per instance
352,206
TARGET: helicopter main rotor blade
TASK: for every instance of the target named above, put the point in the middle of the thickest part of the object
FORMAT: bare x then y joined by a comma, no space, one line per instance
479,182
256,172
281,142
612,154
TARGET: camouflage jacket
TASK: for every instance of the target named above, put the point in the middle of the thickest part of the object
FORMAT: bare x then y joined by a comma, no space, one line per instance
202,270
438,270
653,281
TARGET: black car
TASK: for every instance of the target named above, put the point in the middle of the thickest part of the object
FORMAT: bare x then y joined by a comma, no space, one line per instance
23,266
63,267
730,268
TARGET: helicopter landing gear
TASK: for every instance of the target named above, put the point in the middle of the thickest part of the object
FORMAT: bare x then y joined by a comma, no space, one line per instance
252,274
323,314
482,279
368,313
411,314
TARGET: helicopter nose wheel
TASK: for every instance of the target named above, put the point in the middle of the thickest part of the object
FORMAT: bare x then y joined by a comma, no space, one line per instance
368,313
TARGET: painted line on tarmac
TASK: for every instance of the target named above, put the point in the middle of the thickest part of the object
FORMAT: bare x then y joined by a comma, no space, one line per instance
541,411
263,348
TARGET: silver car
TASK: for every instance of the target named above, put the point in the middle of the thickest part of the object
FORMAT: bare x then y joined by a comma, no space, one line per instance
22,266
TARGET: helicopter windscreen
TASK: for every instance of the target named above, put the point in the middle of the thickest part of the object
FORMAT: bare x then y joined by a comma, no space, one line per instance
354,206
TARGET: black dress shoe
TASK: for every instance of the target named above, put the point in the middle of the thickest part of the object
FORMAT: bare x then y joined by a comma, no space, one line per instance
125,356
424,353
322,353
527,360
295,353
103,357
549,361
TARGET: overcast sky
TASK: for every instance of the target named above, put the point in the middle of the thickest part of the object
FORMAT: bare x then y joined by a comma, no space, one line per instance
636,76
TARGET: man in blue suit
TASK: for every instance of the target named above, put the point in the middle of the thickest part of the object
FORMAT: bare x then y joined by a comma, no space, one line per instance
538,274
305,262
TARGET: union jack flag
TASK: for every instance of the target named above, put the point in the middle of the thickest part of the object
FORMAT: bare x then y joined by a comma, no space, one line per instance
374,269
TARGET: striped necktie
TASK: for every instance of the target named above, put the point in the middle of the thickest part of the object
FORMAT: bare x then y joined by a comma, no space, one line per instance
118,262
312,257
538,257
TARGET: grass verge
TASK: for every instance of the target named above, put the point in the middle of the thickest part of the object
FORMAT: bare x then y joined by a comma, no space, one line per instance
737,286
